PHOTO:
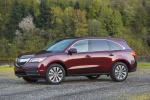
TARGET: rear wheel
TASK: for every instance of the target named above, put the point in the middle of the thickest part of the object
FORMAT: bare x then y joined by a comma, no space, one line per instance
119,72
30,79
55,74
93,76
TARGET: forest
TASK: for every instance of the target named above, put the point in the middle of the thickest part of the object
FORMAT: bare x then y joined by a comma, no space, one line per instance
28,25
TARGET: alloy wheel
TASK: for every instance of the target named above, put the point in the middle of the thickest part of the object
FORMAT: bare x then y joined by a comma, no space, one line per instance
55,74
120,72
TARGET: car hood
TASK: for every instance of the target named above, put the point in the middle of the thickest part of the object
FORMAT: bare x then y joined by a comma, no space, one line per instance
42,53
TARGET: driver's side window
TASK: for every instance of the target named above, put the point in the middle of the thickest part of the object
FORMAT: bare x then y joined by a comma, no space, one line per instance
81,46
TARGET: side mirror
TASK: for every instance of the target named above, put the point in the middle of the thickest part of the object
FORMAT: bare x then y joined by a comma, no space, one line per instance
72,50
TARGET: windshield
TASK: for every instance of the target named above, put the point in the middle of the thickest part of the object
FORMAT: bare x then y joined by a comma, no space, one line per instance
58,45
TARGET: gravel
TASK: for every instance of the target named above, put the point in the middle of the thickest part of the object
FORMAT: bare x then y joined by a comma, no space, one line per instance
75,88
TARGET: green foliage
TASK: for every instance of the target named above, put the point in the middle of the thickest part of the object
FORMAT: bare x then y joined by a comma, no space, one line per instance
80,23
4,47
96,28
44,18
111,20
57,22
18,12
68,26
94,9
127,19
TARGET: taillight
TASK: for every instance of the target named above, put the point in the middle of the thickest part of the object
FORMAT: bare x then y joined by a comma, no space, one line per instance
133,54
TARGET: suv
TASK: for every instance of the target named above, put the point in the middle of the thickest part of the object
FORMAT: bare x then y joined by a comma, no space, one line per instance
90,57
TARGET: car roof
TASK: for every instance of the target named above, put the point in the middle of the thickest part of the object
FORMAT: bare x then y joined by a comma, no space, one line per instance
108,38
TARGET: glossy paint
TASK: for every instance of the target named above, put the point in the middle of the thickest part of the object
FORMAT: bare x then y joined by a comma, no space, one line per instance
85,63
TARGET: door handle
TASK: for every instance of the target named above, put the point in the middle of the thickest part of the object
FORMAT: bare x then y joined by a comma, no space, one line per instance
111,55
87,56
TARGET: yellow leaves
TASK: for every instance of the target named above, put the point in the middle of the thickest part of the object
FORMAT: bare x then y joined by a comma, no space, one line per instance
94,9
80,24
79,18
57,15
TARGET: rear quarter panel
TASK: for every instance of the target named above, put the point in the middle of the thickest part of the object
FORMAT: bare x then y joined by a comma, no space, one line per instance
126,56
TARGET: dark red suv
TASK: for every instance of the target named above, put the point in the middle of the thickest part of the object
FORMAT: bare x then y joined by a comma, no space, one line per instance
90,57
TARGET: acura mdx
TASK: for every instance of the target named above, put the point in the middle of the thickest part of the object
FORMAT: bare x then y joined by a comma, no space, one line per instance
90,57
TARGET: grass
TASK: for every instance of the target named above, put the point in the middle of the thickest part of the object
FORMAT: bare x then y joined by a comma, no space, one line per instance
145,96
143,64
139,96
6,69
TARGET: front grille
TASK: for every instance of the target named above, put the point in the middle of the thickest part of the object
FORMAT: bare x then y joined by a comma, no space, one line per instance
20,63
32,72
20,73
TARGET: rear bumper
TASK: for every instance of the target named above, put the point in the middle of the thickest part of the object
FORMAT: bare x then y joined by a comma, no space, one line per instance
133,70
133,67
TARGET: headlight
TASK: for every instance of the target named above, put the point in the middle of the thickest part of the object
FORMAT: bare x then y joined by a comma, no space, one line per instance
37,59
23,60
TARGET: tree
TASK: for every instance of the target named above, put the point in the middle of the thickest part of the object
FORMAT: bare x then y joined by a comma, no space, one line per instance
77,5
57,23
27,23
94,9
95,28
4,47
1,25
111,20
68,25
33,41
44,18
19,11
80,23
128,15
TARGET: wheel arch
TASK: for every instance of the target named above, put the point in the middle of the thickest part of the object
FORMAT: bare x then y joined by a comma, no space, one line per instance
125,62
60,63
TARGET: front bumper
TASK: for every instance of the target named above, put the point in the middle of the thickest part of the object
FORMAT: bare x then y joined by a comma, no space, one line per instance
21,72
30,70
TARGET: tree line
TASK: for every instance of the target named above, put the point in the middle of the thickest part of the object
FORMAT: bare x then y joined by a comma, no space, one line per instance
28,25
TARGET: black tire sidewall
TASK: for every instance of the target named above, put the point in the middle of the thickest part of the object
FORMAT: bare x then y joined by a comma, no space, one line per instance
47,72
112,73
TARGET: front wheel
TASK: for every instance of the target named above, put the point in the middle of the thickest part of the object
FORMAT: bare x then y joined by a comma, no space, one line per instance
119,72
55,74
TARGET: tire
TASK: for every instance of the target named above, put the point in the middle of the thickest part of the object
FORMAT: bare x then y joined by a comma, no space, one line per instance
93,77
119,72
55,74
30,79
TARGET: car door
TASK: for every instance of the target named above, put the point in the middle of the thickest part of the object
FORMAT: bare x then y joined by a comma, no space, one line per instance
101,55
80,62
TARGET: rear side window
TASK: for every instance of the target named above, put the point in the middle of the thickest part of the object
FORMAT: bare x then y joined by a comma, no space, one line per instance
115,46
99,45
81,46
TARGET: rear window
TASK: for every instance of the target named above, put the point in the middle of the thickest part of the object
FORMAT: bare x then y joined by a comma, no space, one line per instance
115,46
99,45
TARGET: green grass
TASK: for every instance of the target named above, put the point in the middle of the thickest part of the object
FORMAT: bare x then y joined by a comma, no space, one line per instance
139,96
6,69
143,64
145,96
